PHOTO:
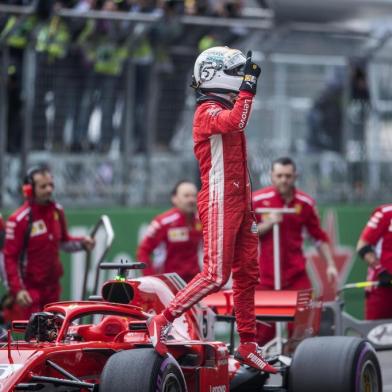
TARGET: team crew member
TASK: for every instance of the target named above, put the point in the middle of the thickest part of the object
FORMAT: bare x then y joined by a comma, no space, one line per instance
283,193
3,332
177,234
226,83
2,232
375,248
35,232
2,237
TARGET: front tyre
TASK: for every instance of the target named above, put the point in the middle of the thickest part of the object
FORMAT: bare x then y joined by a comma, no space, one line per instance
141,370
338,364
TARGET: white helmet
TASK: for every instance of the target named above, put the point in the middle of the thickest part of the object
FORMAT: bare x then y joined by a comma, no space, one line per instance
219,70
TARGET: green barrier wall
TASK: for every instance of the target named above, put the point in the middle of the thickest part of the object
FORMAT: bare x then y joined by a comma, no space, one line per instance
128,222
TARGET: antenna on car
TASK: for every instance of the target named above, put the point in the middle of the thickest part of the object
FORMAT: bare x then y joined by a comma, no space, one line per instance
123,266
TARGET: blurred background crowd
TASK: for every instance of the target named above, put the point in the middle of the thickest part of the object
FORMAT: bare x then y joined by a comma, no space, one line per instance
102,86
80,63
189,7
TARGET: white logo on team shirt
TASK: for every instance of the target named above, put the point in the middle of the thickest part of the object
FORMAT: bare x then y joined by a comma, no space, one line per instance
10,230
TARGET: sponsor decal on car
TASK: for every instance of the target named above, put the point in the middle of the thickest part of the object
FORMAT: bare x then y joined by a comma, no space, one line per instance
7,369
218,388
381,335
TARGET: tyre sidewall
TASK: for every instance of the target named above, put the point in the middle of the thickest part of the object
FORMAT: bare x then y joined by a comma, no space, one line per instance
365,354
140,370
331,364
168,366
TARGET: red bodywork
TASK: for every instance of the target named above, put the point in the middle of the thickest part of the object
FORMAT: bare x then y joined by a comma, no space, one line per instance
83,348
293,306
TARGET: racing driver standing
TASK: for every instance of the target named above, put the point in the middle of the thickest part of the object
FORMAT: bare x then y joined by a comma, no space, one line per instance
225,81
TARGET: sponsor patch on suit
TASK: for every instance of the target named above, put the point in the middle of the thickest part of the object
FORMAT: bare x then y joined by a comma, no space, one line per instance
38,228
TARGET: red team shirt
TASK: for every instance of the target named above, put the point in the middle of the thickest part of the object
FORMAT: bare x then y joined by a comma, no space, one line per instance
49,233
378,232
2,235
291,235
178,241
2,229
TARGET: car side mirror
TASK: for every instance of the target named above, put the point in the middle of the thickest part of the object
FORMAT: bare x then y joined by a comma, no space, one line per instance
19,326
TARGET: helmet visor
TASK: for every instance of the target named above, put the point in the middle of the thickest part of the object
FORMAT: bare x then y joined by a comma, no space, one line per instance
234,64
237,71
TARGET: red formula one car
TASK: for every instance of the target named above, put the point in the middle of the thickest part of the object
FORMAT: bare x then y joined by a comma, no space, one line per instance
103,345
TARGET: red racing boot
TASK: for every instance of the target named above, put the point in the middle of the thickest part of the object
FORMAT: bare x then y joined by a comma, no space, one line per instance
158,328
249,353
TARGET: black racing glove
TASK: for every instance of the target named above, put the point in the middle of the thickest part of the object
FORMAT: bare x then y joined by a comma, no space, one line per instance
385,279
251,74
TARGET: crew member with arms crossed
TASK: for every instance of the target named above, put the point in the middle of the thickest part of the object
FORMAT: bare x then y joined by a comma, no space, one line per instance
35,233
176,235
375,248
283,193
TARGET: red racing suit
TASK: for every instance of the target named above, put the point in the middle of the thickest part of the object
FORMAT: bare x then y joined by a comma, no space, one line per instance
378,232
41,269
224,205
292,259
178,238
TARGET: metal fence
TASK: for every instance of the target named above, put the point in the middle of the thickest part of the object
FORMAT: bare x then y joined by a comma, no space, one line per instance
127,139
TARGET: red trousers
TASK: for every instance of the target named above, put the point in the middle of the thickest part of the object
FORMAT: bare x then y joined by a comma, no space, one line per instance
378,303
230,245
266,331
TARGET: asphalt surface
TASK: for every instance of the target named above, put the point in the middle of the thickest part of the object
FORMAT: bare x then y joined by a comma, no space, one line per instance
385,358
